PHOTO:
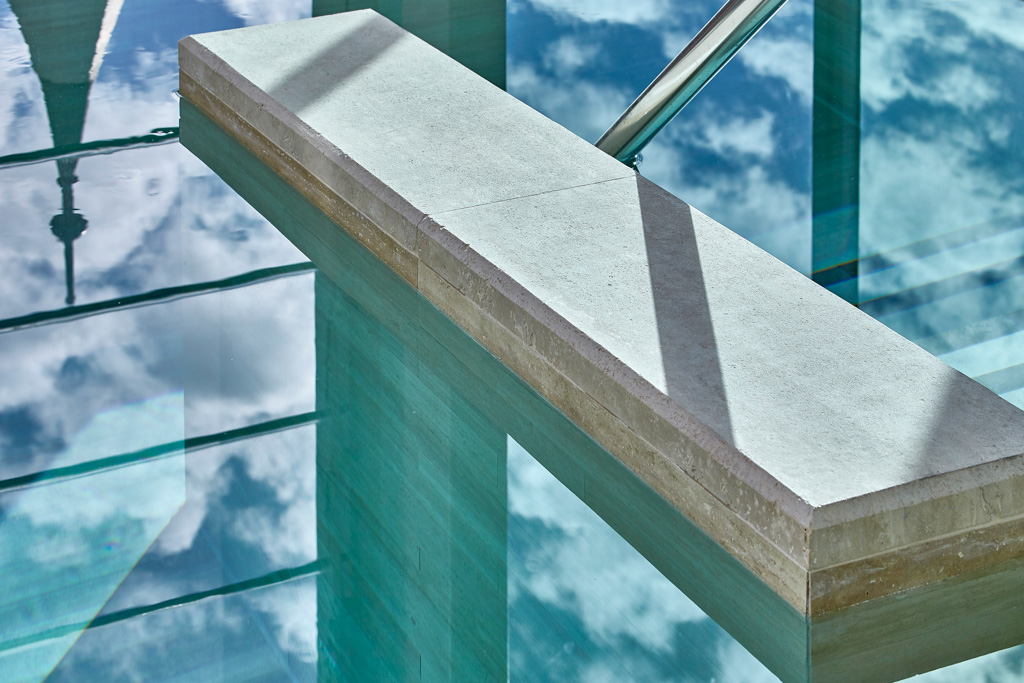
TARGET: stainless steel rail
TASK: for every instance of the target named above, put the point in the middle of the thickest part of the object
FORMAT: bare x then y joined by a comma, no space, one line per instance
699,61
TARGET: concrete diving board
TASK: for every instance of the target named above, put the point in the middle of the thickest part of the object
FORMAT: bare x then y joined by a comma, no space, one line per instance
837,461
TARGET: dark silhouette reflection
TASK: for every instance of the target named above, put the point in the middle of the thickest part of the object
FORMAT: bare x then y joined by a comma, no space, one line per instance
68,225
66,42
411,503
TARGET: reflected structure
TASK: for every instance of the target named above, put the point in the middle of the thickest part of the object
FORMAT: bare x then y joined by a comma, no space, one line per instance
411,505
145,487
67,44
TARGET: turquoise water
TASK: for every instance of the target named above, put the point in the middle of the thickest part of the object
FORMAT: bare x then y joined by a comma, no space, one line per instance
201,478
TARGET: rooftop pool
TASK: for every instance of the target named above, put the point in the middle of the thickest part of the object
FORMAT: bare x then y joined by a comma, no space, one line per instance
221,463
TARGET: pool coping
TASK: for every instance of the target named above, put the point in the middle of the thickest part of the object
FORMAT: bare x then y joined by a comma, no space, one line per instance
819,556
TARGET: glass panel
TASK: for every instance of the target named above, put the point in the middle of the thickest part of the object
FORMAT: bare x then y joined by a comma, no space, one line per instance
264,634
942,200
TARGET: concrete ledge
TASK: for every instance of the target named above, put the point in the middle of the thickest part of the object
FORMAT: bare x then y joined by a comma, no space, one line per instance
818,447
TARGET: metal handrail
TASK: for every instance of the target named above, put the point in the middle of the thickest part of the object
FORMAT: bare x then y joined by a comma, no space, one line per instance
699,61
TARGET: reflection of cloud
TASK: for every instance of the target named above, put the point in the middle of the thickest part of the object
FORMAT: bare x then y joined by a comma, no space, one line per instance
120,347
283,528
1006,666
205,641
737,135
135,100
752,200
207,480
605,613
585,108
739,665
292,611
637,12
586,567
567,54
940,155
899,39
285,533
250,355
157,217
22,114
788,58
255,12
66,545
914,188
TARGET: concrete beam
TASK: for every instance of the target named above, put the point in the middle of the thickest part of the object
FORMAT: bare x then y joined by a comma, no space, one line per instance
833,458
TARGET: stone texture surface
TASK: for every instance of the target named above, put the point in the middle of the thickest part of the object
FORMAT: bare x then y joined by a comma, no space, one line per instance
798,432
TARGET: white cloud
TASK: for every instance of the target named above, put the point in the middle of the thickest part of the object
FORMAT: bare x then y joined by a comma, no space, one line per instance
997,667
788,58
284,463
637,12
739,665
585,108
20,93
206,634
292,610
589,569
566,55
762,208
928,187
731,136
207,480
256,12
897,39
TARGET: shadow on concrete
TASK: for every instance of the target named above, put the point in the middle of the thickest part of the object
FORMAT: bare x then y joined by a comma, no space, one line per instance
470,31
334,64
689,352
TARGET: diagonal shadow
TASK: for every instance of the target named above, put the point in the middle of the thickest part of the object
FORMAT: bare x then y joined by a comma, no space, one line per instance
471,32
334,64
689,351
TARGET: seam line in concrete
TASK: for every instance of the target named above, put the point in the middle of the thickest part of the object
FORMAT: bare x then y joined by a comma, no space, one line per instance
527,196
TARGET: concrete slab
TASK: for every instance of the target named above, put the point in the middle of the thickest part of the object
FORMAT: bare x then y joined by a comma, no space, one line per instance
746,395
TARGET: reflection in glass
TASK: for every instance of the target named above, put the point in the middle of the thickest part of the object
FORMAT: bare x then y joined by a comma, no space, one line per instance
155,502
66,545
836,148
942,181
67,44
